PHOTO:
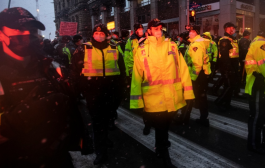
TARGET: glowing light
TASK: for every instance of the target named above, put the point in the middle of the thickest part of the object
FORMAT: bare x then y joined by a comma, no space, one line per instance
38,10
111,25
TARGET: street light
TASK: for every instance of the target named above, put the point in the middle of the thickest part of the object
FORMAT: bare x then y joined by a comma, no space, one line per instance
9,4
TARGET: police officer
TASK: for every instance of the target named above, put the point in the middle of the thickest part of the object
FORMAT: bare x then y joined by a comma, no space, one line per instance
100,67
159,74
243,45
34,126
129,54
212,52
123,40
199,69
131,44
255,87
183,39
229,60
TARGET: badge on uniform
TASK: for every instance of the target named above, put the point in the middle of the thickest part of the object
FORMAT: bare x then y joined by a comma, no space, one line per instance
143,52
195,49
263,47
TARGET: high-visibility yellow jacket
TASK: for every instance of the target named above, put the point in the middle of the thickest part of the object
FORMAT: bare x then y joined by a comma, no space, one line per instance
129,53
159,77
234,52
212,50
255,61
196,57
97,62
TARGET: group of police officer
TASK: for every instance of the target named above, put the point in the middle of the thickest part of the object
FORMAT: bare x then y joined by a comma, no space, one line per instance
38,112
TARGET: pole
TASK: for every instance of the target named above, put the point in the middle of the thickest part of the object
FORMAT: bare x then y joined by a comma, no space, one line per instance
188,12
9,4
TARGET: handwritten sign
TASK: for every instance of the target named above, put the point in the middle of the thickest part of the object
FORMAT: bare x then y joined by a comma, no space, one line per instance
68,28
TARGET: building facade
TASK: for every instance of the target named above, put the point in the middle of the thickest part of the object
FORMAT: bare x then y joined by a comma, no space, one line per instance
211,15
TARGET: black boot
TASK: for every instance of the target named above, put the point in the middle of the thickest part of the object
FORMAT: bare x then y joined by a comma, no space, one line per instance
164,154
101,158
203,122
146,130
112,125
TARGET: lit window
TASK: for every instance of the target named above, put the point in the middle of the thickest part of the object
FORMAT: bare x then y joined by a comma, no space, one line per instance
127,6
112,11
143,2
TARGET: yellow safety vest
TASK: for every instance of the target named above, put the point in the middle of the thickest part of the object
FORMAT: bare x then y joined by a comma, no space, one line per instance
234,52
94,63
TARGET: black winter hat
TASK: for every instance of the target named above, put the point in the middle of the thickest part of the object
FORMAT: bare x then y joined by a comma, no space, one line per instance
124,33
137,26
17,17
154,23
229,24
77,38
101,28
246,33
262,25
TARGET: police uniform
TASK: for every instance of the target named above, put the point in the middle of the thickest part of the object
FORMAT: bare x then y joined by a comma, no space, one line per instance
199,69
99,74
255,88
159,77
243,45
229,61
34,112
183,45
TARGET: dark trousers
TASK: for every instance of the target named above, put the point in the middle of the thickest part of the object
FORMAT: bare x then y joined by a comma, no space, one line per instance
229,78
161,122
200,91
257,114
101,96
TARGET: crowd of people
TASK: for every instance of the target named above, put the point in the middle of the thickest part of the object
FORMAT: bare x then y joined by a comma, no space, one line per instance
41,84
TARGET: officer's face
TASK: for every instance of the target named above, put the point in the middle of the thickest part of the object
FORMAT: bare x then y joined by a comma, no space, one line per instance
192,34
99,36
156,31
231,30
140,32
18,40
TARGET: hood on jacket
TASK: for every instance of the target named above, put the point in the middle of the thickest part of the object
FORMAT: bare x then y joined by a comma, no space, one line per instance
208,34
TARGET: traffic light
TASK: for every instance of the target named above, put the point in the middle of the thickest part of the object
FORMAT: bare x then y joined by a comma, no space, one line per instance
192,16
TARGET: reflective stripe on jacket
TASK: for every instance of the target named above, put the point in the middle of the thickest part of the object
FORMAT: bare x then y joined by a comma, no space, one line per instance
159,77
255,61
95,62
234,52
196,57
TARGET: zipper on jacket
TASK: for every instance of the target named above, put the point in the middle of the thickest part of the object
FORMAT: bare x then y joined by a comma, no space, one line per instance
103,61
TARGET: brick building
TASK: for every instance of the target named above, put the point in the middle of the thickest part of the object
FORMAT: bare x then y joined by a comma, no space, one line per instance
211,14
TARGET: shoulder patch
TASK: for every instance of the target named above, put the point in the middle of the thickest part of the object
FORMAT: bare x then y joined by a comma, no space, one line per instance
195,49
263,47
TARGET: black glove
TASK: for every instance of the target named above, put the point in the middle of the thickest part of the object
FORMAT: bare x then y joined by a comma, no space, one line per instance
259,76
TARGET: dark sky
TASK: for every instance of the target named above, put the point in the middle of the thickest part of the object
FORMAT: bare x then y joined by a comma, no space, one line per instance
46,12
